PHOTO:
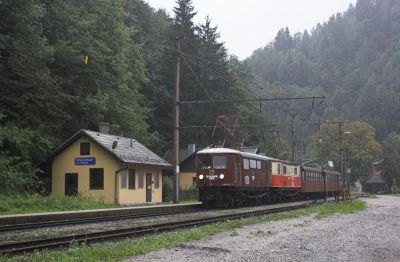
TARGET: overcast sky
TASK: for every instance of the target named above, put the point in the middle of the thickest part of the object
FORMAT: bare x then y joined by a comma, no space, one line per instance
246,25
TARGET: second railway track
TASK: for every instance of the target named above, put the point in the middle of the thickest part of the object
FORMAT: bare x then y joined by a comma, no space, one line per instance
7,228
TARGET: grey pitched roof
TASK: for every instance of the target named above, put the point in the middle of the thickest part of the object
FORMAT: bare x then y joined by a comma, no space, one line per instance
183,155
376,180
124,150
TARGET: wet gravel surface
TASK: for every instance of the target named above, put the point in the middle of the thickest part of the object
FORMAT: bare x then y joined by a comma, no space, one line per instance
51,232
372,235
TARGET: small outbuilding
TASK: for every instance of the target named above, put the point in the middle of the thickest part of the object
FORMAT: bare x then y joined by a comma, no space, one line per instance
111,168
187,166
375,183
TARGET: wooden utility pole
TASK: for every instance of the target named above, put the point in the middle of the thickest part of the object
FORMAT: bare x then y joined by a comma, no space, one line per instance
293,116
341,153
176,121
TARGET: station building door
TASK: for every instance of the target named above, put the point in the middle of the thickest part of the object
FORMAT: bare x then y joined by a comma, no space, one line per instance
148,188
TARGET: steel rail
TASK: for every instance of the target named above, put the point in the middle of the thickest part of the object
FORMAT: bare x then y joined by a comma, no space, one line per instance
62,242
18,227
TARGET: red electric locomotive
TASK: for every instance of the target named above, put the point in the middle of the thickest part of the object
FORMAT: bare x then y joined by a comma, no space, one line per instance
230,177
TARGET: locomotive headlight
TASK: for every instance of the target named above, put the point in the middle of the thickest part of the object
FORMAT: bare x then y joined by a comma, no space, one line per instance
201,176
221,176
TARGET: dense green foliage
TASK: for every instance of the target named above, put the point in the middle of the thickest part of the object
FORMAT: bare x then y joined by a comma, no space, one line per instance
137,246
359,147
352,59
49,91
391,158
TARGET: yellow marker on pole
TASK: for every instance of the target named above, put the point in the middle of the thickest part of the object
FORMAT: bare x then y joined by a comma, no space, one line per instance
86,59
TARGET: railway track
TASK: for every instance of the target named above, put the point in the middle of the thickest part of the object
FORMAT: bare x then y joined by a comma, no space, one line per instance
16,227
89,238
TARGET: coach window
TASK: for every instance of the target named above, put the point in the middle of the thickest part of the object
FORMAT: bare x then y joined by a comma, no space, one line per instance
295,170
246,164
284,170
253,163
205,162
279,168
219,162
258,164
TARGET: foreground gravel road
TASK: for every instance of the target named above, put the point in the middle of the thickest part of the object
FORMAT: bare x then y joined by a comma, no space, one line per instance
373,235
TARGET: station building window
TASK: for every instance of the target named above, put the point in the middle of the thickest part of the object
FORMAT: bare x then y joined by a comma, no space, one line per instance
124,183
131,178
141,180
85,149
157,180
96,178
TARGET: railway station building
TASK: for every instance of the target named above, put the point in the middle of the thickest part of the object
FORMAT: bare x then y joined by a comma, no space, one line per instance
111,168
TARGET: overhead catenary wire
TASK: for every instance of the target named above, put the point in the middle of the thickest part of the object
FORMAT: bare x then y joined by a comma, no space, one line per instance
251,100
195,76
205,67
191,59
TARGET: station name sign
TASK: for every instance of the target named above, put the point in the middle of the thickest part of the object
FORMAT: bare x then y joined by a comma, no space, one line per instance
85,161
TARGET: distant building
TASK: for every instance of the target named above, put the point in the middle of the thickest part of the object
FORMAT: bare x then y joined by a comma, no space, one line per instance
375,183
187,166
111,168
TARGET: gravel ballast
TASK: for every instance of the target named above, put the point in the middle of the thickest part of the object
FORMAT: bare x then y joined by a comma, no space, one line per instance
372,235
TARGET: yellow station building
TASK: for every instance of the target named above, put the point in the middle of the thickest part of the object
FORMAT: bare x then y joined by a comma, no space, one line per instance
112,168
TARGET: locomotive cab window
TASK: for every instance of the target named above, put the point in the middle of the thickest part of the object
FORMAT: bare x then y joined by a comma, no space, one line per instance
219,162
205,162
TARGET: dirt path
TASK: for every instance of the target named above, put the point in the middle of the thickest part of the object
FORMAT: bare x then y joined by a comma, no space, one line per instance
373,235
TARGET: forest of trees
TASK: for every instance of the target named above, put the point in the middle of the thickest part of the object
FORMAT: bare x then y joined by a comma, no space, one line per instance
48,91
353,59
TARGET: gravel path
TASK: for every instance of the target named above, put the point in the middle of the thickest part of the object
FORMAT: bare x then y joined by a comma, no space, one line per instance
373,235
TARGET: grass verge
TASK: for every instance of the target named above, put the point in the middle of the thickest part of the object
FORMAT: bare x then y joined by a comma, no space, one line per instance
132,247
38,203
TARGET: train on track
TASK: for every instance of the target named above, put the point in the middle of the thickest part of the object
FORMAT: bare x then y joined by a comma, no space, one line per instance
228,177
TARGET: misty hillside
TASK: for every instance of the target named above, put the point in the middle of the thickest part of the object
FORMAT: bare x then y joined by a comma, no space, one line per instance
353,59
